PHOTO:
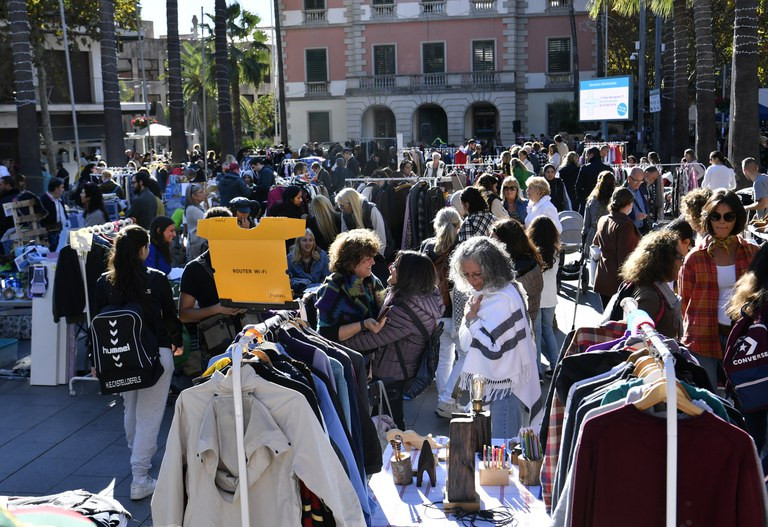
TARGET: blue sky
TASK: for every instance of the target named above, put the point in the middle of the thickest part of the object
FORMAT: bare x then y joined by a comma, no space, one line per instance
154,10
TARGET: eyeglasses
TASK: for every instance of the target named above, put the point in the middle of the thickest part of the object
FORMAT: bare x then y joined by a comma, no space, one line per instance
637,180
510,189
728,216
472,276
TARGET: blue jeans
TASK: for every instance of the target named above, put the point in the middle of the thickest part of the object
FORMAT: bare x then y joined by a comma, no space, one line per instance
546,343
506,417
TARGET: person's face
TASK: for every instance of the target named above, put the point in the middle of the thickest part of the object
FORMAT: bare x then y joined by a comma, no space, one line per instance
549,173
523,155
683,247
198,195
242,218
364,268
57,192
297,200
534,195
407,168
392,280
135,185
510,193
723,220
604,151
347,155
679,259
345,207
169,233
750,170
306,244
472,273
635,179
651,177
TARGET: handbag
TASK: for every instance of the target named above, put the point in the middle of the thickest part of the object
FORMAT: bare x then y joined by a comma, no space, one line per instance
216,333
378,398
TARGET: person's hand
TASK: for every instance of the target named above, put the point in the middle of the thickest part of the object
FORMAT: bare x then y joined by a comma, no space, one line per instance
93,372
228,310
474,307
243,223
641,216
371,324
178,351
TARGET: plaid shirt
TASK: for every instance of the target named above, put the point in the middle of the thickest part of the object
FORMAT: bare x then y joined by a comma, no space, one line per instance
543,158
697,283
476,224
582,339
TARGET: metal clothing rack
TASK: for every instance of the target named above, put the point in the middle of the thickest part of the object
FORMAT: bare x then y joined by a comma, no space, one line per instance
641,324
81,240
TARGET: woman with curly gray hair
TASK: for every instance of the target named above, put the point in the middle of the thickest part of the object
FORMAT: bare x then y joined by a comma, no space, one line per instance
495,334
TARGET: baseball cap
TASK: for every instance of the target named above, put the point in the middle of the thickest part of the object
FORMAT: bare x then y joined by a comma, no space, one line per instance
242,204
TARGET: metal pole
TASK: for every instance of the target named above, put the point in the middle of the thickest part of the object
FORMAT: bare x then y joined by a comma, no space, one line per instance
722,114
605,38
202,81
140,35
641,82
657,85
276,105
69,79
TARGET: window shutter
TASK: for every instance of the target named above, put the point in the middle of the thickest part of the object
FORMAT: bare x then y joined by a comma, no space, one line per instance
384,60
319,126
317,66
483,56
559,55
314,4
434,57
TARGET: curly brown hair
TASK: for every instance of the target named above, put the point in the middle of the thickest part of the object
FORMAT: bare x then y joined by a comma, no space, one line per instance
653,259
350,248
691,205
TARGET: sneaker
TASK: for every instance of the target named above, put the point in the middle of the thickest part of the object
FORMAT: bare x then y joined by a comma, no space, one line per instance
446,410
142,489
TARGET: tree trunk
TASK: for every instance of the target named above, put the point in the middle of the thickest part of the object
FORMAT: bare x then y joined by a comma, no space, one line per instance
680,128
222,80
26,111
175,94
744,134
42,91
574,51
667,95
113,117
706,139
237,118
280,77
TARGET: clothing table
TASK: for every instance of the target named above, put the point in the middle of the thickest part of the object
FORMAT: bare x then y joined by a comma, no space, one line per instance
409,505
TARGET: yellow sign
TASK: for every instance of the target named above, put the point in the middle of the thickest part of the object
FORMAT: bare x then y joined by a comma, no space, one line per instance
250,264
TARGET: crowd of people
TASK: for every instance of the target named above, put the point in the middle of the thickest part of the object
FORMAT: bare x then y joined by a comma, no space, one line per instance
489,277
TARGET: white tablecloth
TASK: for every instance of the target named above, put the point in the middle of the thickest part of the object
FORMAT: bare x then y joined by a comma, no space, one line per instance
404,506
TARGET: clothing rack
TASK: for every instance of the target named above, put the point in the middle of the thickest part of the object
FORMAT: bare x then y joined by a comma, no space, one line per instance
419,179
640,323
81,241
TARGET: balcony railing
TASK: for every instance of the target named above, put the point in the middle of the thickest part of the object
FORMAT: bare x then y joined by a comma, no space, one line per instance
314,16
482,6
433,7
429,82
317,88
383,10
558,4
559,80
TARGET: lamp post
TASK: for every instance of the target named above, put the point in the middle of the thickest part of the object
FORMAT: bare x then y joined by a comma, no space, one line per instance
69,80
140,36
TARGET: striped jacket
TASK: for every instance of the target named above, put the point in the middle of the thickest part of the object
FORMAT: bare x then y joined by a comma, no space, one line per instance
697,284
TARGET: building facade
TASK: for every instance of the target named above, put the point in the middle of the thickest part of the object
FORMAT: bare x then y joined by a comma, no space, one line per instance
429,69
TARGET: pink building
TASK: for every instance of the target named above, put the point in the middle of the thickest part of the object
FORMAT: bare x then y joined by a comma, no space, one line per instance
427,69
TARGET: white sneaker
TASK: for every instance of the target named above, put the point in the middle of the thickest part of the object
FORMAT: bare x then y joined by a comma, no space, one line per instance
142,489
446,410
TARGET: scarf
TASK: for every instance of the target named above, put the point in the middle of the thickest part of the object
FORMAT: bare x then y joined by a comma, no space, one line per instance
724,244
500,347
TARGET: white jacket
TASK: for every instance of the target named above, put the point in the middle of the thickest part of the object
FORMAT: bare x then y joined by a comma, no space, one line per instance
543,207
284,443
440,169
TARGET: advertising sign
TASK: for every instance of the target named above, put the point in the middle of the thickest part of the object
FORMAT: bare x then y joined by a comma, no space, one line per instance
605,99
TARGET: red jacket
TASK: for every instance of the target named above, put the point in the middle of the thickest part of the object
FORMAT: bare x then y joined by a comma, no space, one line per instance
697,284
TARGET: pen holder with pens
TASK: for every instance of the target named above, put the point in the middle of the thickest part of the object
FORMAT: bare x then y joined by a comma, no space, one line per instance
402,469
530,471
494,466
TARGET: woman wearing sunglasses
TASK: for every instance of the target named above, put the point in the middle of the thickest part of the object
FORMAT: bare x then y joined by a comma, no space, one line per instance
515,205
707,278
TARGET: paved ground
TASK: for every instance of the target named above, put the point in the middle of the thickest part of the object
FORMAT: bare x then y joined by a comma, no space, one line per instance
51,442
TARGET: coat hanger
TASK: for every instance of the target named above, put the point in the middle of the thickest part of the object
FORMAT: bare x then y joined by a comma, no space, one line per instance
657,393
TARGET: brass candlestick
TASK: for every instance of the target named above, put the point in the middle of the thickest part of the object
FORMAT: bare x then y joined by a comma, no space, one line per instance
481,418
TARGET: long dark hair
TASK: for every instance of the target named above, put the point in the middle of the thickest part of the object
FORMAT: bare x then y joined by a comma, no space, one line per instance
512,234
125,269
474,200
544,236
95,199
156,229
416,274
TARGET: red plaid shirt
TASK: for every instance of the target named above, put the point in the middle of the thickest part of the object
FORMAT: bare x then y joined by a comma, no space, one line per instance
583,338
697,284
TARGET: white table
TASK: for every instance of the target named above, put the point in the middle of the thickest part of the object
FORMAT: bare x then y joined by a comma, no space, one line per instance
404,506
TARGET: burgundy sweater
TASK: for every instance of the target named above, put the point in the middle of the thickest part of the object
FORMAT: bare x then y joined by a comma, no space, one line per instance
621,472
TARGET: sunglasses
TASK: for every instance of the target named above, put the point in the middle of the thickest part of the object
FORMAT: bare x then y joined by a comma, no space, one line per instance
728,216
510,188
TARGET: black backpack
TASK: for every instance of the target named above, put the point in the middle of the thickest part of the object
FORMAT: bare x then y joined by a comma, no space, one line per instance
417,384
126,354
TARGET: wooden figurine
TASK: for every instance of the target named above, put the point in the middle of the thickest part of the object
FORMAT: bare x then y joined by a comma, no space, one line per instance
426,463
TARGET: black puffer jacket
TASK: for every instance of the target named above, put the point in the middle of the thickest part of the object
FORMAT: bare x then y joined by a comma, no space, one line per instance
400,329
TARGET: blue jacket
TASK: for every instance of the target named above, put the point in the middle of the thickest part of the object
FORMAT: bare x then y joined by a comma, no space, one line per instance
157,261
316,274
231,186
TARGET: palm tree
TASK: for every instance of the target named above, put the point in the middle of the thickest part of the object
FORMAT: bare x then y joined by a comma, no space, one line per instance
706,139
175,95
744,134
222,80
680,132
113,121
26,113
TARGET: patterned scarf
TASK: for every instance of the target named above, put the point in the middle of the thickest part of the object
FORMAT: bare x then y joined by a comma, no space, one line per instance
724,244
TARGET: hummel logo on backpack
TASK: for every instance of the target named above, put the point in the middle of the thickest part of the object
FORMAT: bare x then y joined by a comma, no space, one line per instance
126,355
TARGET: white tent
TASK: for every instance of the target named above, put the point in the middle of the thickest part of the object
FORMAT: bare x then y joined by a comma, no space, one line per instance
155,130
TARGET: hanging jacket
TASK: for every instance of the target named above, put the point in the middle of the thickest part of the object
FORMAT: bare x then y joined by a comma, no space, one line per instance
68,288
